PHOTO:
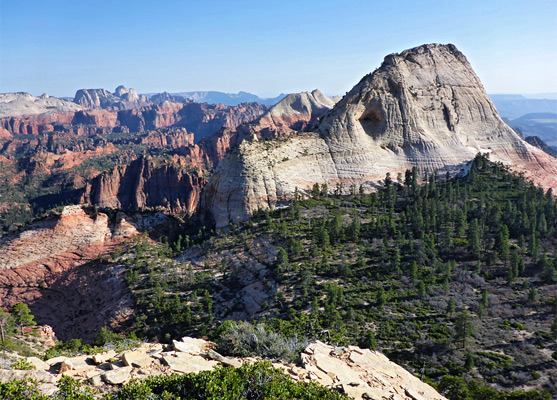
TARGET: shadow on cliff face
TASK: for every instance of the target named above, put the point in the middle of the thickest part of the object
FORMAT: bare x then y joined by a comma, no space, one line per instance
80,301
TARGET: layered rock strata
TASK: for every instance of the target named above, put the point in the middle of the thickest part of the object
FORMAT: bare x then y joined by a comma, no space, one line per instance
54,266
424,108
174,185
122,98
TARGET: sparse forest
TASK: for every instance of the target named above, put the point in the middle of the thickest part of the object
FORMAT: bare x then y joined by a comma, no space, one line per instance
454,279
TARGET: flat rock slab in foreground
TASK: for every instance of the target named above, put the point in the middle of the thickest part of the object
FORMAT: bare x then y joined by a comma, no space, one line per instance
363,374
360,373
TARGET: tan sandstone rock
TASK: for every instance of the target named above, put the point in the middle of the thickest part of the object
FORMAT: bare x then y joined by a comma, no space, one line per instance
137,359
117,376
185,363
38,363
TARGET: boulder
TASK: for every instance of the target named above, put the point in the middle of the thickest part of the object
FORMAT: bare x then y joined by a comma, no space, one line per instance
192,346
7,375
75,363
229,361
38,363
56,360
186,363
101,358
117,376
136,359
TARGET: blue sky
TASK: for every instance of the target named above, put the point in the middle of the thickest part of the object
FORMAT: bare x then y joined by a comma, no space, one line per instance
59,46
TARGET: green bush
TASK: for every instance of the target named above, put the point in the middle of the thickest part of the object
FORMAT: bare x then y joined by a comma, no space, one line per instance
251,381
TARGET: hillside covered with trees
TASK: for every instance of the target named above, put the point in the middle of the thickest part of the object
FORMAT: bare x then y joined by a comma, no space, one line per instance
454,279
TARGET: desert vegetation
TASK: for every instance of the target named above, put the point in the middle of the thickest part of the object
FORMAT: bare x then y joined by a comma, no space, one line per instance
449,277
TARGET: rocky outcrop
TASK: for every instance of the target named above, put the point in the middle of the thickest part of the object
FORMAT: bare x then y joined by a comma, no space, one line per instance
295,113
165,96
360,373
423,108
122,98
207,119
18,104
54,267
229,99
201,119
174,185
540,144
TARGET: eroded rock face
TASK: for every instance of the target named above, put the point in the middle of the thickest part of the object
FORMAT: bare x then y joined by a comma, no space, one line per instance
295,113
174,186
18,104
53,266
424,107
362,373
101,98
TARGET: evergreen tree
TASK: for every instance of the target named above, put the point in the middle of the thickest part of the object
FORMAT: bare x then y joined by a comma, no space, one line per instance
485,298
5,324
355,227
370,342
381,297
474,238
451,308
421,289
502,243
515,264
481,310
414,271
22,316
464,327
533,294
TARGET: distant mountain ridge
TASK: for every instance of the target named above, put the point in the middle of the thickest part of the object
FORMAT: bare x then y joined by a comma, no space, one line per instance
215,97
543,125
513,106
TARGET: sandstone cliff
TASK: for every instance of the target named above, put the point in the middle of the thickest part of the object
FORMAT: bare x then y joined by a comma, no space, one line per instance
128,187
424,107
174,185
17,104
122,98
296,112
53,267
201,119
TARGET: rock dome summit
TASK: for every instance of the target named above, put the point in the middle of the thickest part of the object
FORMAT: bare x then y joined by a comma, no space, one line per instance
424,107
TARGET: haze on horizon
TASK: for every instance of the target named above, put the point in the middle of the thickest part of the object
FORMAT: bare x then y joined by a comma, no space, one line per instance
60,46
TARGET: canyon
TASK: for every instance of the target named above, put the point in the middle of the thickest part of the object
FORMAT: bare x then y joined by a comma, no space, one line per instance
170,167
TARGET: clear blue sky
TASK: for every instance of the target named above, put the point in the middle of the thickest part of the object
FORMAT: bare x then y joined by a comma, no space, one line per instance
263,47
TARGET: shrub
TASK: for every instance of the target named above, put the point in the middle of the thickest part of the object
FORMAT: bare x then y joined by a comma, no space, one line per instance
250,382
245,339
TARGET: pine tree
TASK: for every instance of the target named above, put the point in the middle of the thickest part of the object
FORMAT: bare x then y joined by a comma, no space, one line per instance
481,310
451,307
381,297
421,289
515,264
474,238
371,342
414,271
502,243
22,316
485,298
464,327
